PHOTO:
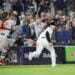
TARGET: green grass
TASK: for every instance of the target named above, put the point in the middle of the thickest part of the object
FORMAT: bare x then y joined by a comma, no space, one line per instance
67,69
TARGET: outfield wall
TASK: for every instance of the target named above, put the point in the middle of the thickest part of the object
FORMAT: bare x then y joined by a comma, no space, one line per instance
19,55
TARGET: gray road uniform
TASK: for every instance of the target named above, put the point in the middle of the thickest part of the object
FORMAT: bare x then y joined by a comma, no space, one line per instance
44,42
4,40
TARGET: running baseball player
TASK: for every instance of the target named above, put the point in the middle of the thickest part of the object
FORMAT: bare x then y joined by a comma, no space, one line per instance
5,42
44,41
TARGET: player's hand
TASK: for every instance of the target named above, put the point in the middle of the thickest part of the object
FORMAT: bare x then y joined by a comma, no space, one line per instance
51,44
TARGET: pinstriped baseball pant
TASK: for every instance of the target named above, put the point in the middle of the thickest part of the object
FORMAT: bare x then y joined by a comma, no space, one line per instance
42,43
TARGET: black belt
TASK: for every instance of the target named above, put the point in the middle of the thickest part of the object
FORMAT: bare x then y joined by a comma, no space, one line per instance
43,37
2,33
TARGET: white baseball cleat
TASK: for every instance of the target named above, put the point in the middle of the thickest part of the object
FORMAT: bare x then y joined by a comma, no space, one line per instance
54,65
30,57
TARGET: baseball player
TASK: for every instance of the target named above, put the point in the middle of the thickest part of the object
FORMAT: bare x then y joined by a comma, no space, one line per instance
5,28
44,41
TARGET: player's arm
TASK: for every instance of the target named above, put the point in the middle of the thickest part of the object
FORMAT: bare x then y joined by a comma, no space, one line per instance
48,38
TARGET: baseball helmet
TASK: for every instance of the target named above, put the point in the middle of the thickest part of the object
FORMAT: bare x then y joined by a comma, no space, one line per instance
4,15
53,23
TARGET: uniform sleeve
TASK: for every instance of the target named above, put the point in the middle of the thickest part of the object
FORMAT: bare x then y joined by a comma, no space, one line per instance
48,37
18,20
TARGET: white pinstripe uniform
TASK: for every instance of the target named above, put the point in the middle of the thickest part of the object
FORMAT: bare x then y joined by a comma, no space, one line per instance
43,43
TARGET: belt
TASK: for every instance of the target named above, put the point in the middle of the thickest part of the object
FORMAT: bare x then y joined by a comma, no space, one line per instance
43,37
2,33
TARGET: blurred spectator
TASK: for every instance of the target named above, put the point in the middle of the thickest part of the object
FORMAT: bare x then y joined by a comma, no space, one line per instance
58,36
73,29
17,27
58,14
41,7
14,7
7,5
35,5
1,3
29,17
50,18
42,16
66,35
30,33
22,5
13,1
61,22
60,5
68,22
38,26
22,18
52,8
1,13
32,21
16,16
12,19
71,14
36,17
24,28
71,8
19,41
67,17
32,7
69,4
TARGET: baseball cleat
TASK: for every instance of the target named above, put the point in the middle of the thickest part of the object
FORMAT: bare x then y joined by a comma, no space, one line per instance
54,65
2,63
29,57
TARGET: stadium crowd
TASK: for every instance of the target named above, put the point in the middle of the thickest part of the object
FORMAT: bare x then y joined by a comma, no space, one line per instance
29,18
